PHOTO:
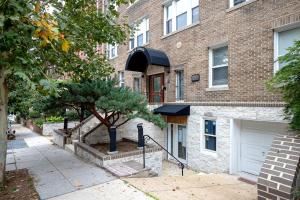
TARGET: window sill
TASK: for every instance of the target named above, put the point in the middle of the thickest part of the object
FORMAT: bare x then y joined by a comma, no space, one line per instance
240,5
144,45
180,30
113,58
209,153
211,89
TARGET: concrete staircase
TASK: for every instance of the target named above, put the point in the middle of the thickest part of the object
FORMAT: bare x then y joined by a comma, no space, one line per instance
131,169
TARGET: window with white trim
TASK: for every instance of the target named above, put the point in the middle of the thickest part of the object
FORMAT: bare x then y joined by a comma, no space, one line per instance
179,85
112,51
210,138
141,36
121,79
236,2
282,41
137,84
218,67
179,14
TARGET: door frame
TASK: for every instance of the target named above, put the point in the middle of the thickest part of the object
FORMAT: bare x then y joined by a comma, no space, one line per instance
175,142
151,87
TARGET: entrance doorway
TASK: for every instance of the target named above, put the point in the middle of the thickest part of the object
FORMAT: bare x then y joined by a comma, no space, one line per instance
177,141
156,88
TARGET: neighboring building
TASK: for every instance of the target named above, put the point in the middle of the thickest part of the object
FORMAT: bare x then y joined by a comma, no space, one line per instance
206,63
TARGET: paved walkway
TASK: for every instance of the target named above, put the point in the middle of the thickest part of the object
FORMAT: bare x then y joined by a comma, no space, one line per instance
196,187
59,174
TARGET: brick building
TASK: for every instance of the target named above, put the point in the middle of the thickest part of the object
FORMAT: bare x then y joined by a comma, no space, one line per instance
204,64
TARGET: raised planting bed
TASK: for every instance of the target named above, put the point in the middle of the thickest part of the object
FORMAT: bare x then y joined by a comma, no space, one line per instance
127,151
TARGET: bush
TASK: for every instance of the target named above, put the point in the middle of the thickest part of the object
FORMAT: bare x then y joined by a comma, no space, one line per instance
72,115
34,114
39,122
54,119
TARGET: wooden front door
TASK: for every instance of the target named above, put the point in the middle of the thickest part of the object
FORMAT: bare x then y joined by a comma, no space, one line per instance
156,89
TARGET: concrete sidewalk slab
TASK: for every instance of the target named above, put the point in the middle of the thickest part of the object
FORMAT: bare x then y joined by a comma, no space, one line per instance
114,190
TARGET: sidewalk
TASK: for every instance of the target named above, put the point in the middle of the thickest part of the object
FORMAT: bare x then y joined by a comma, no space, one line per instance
57,172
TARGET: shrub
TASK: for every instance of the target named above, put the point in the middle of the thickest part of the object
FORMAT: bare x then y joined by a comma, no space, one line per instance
39,122
34,114
72,115
54,119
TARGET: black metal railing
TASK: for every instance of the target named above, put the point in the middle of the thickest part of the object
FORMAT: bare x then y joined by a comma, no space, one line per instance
146,138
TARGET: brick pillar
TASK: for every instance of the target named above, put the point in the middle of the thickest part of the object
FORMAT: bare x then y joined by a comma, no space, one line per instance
279,172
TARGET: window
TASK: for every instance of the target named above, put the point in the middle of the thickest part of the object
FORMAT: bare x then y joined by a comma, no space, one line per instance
140,40
131,43
121,79
218,70
179,14
210,135
181,21
112,51
137,84
236,2
195,15
284,40
141,36
179,85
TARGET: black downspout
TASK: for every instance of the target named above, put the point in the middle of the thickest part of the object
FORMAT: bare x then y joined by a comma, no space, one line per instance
140,135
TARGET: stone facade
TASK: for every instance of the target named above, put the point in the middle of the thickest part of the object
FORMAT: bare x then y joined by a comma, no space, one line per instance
278,177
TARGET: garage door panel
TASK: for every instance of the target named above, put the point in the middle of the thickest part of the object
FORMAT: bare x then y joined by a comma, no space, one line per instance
256,140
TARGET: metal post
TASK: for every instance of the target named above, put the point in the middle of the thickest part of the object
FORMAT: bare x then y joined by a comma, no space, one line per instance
66,124
182,169
140,135
113,139
144,156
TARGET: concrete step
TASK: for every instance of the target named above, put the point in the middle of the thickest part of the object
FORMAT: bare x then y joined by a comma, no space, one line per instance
130,169
70,148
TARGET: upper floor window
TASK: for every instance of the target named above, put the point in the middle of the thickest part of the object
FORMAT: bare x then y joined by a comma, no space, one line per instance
179,85
141,35
218,67
179,14
121,79
236,2
112,51
283,40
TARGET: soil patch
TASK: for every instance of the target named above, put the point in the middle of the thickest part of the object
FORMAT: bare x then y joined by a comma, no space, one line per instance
122,146
18,186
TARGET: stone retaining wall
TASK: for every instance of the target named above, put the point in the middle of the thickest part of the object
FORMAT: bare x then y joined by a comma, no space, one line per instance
48,128
153,157
278,177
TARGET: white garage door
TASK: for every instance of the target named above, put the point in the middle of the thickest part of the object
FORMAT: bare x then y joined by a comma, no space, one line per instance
256,140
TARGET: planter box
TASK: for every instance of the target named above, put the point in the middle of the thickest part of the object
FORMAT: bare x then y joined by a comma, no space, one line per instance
154,156
60,138
29,124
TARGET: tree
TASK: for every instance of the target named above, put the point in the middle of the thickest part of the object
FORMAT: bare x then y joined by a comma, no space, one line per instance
287,81
112,105
32,39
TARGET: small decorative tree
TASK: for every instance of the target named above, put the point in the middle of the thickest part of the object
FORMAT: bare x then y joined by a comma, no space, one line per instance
112,105
287,81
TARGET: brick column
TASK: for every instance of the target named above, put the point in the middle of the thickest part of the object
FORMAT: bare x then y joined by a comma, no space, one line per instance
279,172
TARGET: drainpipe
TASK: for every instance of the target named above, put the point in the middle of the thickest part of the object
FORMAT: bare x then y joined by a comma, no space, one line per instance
140,135
66,124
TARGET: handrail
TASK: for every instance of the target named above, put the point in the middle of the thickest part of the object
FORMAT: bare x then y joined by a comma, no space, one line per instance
89,132
144,152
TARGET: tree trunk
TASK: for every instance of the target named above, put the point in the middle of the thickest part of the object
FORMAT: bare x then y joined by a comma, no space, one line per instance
3,124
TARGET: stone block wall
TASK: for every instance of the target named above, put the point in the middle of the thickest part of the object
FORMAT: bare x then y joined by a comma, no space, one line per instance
48,128
278,176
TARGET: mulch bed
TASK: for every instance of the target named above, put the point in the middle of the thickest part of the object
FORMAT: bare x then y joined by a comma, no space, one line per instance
18,186
122,146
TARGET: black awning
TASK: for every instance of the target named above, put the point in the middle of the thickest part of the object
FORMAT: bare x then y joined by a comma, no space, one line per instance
140,58
173,110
